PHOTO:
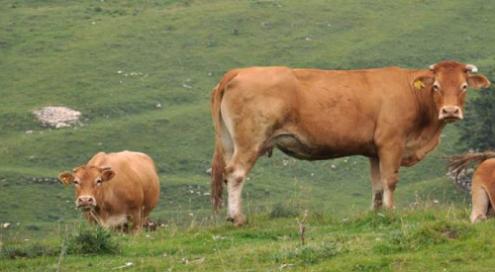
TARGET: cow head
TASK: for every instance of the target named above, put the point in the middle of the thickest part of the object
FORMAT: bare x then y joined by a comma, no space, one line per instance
448,82
87,181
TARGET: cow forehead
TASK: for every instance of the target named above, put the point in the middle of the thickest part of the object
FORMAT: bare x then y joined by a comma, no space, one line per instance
87,172
450,64
450,73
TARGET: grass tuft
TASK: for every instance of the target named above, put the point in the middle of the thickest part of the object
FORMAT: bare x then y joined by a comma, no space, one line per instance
309,254
281,210
26,251
409,237
92,241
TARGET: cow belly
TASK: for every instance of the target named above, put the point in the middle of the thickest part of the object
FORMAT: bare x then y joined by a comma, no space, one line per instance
292,145
114,221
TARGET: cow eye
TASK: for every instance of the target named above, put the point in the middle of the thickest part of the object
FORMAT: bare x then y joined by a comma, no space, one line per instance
76,182
464,87
98,181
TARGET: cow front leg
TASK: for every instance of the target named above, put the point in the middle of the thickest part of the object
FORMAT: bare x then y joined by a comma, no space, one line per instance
136,220
376,184
390,158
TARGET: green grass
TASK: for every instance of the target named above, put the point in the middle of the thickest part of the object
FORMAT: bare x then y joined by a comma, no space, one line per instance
172,53
431,237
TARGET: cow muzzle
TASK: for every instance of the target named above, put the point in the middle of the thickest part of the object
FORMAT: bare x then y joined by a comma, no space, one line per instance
450,113
86,202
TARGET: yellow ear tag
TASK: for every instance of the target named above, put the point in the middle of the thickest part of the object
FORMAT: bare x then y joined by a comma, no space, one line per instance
418,84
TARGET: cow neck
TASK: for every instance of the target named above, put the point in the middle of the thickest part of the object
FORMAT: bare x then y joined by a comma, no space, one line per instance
427,118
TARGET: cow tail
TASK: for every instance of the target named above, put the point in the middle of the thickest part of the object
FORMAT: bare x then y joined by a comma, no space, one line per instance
458,163
218,162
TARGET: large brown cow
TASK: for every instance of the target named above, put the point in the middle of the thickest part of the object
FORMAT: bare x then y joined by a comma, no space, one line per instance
483,181
392,115
113,189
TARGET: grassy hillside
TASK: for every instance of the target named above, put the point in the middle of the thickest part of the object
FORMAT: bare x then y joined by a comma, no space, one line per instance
115,61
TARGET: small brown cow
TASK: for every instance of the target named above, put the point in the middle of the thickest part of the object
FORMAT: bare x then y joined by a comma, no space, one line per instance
482,184
114,189
393,116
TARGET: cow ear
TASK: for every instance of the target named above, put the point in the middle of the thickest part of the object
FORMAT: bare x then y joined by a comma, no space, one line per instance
107,173
66,178
421,81
478,81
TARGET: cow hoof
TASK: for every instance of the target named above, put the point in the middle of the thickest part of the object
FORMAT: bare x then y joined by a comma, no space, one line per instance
238,220
477,219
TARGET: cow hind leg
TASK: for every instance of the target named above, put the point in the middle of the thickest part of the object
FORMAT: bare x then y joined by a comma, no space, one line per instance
376,184
480,202
236,172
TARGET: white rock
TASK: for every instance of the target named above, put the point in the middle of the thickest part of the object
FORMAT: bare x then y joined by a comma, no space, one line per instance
57,117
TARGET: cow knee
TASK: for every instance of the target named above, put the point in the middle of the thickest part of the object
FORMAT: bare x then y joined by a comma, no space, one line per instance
235,175
391,182
388,197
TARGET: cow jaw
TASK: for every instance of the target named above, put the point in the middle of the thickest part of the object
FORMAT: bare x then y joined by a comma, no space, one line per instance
86,208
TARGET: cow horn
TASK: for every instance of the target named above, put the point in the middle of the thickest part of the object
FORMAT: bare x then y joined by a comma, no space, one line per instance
471,68
432,67
77,168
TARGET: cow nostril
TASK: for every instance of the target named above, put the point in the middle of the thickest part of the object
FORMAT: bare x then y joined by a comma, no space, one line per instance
445,111
456,111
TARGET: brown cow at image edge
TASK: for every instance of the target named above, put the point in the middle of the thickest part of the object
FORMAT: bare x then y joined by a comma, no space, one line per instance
482,183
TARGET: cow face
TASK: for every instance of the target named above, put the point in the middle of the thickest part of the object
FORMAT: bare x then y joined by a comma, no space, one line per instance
87,182
448,82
